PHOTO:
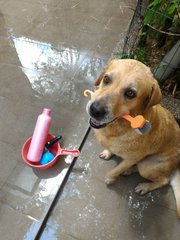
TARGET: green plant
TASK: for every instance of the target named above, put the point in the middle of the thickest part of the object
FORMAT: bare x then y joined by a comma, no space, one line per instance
159,10
160,29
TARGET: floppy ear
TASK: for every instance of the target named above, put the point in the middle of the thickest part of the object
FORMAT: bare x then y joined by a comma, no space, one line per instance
98,81
155,96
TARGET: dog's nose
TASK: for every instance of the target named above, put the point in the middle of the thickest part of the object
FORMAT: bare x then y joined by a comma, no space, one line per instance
97,111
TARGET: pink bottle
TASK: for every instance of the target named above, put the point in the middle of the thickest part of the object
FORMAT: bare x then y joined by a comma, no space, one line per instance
39,136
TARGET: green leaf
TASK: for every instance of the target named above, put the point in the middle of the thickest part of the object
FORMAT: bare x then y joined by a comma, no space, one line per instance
149,16
171,9
155,3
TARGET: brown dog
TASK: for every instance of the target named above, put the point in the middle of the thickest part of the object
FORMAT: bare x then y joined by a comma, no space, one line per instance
128,87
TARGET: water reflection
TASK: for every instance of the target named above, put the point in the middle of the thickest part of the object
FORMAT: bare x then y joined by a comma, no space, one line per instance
30,234
50,230
48,187
48,233
52,72
48,70
46,192
42,56
138,206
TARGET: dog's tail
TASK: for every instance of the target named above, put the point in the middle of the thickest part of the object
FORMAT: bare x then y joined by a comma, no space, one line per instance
175,183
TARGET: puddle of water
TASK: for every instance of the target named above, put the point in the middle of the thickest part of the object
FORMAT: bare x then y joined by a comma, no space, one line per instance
48,70
138,207
51,72
50,230
137,214
30,234
48,233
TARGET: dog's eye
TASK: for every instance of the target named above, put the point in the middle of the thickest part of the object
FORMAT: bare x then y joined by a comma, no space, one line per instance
106,80
130,93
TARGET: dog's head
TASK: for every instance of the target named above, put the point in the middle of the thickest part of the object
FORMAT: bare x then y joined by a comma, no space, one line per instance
124,87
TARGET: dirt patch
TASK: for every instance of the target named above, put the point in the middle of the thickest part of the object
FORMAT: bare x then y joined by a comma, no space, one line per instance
171,87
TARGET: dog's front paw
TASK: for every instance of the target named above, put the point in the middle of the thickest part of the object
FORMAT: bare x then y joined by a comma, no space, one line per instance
142,188
106,154
109,180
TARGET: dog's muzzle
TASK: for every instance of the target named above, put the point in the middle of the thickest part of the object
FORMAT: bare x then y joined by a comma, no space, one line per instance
97,111
100,116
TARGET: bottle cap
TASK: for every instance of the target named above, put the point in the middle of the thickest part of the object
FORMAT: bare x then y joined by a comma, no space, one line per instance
47,111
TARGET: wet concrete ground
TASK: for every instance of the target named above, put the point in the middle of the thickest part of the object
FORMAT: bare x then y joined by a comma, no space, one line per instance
50,51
